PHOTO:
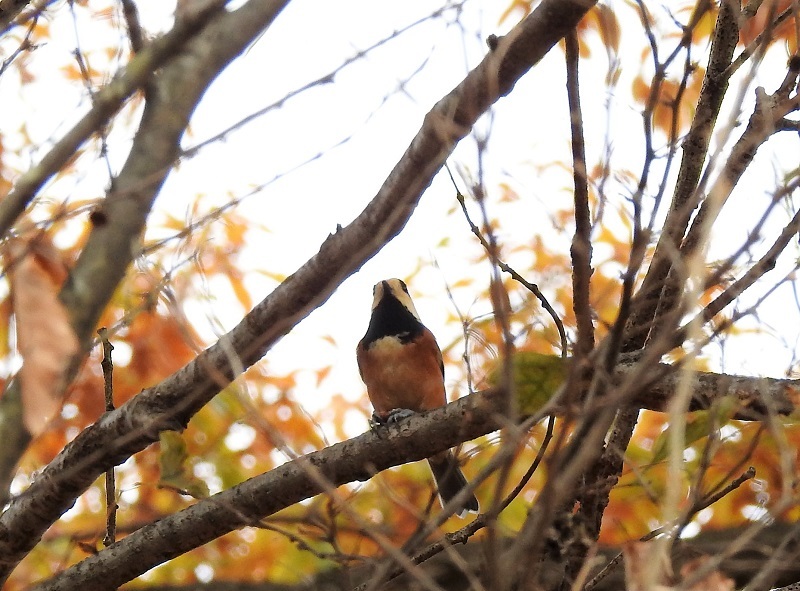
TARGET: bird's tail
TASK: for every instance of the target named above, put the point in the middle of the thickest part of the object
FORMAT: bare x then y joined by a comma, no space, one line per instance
449,482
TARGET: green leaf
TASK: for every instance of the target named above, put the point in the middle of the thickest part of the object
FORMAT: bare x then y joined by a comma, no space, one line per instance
536,378
175,473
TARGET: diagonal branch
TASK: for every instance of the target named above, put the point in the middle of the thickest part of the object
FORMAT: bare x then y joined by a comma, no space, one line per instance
264,495
9,10
171,404
763,124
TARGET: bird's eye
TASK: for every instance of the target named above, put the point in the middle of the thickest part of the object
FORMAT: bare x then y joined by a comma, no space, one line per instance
403,285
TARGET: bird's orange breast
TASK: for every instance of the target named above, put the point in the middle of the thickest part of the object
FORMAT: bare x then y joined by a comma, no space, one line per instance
403,375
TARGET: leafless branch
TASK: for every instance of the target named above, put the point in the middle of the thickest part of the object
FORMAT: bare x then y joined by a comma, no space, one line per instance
111,487
532,287
581,250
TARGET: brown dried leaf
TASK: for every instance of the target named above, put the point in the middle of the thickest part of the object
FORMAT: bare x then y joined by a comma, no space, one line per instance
45,337
641,572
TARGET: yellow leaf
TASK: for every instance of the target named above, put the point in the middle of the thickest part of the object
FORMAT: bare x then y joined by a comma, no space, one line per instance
277,277
698,426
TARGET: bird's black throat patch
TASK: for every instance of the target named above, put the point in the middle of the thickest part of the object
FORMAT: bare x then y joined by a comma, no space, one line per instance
390,318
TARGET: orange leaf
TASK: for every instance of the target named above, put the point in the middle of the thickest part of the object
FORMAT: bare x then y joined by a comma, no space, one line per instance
608,27
45,337
322,373
72,72
602,19
240,291
761,23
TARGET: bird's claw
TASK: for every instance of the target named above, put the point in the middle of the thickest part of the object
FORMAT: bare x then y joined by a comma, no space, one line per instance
376,421
392,417
399,414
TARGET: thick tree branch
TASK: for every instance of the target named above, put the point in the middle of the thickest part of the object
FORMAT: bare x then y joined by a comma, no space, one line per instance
643,307
172,98
172,403
104,263
446,568
757,398
9,11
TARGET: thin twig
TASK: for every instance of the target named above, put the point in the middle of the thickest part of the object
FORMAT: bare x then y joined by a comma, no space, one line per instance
532,287
304,546
24,45
84,69
763,265
581,249
685,199
340,255
135,32
761,39
763,123
111,487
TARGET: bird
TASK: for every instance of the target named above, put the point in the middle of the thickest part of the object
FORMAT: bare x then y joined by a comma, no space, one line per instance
401,365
